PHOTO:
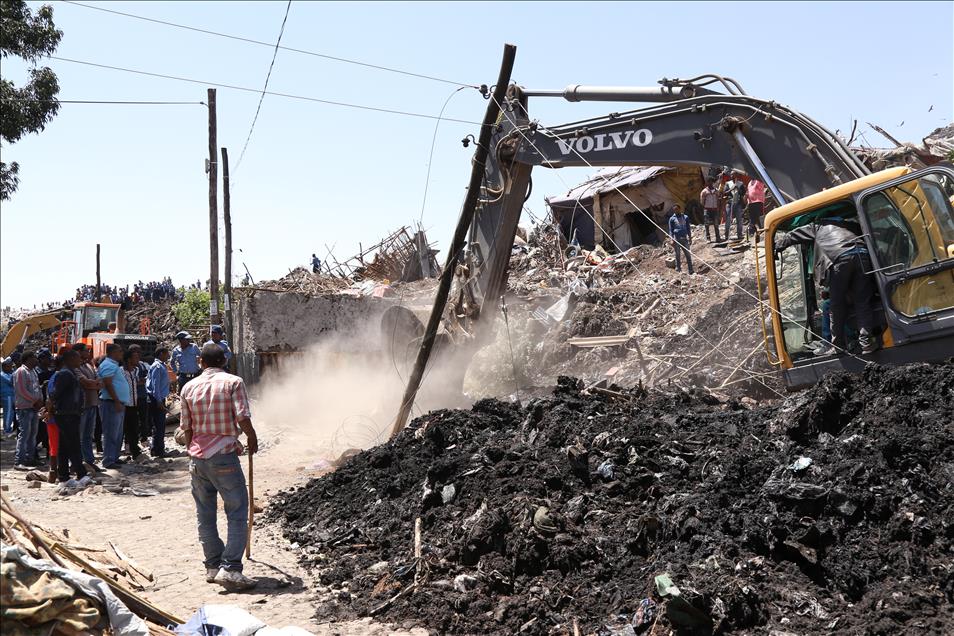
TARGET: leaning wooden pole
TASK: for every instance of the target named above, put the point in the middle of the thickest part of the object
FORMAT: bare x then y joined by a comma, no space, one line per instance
460,235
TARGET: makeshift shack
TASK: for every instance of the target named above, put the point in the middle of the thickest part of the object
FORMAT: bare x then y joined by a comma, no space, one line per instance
619,198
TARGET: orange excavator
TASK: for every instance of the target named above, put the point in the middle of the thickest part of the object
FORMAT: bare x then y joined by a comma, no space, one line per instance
94,324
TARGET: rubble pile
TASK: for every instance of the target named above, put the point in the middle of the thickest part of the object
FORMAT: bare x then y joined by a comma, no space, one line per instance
631,511
657,326
302,281
162,320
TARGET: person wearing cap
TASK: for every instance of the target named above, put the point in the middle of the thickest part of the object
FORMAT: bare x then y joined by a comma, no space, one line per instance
216,336
681,234
6,395
157,390
185,359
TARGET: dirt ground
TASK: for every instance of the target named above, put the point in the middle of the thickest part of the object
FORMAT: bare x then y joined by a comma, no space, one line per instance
158,532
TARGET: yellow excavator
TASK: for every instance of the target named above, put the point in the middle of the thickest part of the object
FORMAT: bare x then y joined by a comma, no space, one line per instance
25,328
94,324
906,216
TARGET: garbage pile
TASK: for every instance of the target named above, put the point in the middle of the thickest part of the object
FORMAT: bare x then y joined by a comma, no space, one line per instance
621,511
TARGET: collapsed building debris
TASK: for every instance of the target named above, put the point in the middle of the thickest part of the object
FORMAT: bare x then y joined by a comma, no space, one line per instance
616,201
609,512
399,256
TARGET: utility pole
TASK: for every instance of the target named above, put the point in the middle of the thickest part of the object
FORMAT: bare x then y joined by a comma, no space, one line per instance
99,287
213,213
460,234
226,209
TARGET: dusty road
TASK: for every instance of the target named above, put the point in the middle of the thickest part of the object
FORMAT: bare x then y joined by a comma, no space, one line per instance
159,533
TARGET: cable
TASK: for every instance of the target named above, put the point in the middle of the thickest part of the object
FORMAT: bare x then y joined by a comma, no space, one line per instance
261,97
100,101
623,253
430,157
256,90
661,229
268,44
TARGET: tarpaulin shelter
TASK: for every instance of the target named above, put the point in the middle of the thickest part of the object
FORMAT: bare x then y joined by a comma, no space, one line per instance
619,197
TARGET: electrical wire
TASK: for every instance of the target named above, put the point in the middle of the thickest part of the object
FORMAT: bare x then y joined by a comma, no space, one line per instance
430,157
261,97
333,58
257,90
669,303
102,101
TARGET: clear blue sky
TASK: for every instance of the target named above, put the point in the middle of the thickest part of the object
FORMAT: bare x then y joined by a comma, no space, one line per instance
131,177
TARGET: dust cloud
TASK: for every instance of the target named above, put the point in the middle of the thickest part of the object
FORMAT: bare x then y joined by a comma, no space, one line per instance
340,395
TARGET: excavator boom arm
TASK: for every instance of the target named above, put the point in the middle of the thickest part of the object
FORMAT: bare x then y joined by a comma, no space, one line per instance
791,153
22,330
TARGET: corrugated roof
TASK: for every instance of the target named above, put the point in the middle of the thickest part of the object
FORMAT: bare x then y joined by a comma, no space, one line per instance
607,180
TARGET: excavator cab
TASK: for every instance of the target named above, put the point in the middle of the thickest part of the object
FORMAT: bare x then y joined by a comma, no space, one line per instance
94,317
907,221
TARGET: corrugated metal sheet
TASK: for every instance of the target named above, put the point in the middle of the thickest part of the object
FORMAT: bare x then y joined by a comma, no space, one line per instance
607,180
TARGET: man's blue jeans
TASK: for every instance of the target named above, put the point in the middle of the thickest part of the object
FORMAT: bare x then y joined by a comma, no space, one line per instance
29,421
220,475
8,414
87,425
112,431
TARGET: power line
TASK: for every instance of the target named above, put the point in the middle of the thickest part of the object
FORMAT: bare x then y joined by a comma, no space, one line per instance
261,97
101,101
270,45
430,157
257,90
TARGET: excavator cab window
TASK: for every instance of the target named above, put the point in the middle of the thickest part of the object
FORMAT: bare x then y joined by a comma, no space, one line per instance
912,230
95,319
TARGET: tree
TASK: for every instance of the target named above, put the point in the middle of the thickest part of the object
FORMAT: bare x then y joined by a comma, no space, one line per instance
30,108
194,308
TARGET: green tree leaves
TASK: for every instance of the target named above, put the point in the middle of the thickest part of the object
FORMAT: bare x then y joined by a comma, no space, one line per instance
30,108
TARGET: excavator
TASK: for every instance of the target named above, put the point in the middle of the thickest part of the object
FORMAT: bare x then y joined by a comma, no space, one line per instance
906,215
95,324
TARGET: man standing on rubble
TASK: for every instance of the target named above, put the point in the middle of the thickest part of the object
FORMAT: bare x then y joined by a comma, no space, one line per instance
217,337
755,194
681,233
215,411
841,260
185,359
315,264
735,193
709,198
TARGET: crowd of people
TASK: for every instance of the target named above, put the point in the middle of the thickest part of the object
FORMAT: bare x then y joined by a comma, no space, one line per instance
123,402
724,200
153,291
75,407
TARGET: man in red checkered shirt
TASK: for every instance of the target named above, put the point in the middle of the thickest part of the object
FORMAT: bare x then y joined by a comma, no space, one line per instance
214,412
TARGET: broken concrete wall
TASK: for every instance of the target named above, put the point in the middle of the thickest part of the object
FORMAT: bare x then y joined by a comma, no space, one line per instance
269,326
288,321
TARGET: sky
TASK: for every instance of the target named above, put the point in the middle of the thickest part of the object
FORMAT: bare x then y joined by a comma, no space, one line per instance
316,176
